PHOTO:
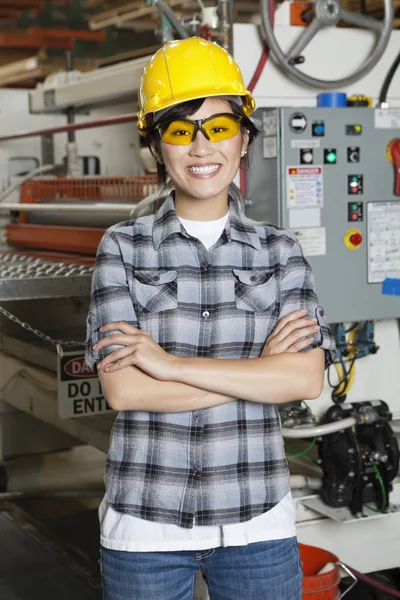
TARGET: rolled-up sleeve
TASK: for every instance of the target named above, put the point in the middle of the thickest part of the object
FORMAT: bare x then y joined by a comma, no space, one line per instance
297,291
111,300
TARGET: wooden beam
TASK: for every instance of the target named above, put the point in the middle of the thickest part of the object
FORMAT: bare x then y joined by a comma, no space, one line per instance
112,60
19,38
69,34
36,68
131,11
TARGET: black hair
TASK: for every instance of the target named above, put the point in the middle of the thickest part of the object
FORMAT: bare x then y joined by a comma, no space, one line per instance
184,110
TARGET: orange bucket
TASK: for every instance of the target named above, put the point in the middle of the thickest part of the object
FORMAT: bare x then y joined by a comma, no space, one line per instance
323,586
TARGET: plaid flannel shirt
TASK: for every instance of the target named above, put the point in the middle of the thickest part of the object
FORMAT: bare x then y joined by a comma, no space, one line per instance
224,464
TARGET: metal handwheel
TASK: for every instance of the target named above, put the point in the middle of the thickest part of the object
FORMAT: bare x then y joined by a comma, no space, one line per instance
327,13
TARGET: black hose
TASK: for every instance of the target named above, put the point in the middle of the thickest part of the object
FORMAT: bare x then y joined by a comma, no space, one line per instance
388,79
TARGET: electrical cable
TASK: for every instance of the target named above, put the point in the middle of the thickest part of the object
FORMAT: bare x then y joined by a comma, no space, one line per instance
383,490
164,9
253,82
38,171
388,80
302,452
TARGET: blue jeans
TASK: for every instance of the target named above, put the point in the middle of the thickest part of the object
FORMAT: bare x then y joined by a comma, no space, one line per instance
260,571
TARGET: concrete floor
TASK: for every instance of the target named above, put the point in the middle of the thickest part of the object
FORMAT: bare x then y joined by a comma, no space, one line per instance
73,522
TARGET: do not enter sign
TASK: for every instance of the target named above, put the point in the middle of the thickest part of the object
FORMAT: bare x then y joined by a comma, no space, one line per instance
79,389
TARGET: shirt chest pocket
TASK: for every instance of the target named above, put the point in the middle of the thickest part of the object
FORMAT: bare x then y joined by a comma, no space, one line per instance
155,290
256,290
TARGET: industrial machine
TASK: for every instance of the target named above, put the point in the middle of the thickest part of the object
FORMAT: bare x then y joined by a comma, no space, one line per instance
330,175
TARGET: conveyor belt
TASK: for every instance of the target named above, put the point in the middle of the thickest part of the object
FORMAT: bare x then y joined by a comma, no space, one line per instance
25,277
31,567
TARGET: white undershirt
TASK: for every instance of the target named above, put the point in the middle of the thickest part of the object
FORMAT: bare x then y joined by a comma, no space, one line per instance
124,532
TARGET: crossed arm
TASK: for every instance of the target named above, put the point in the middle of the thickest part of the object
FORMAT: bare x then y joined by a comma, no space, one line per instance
142,376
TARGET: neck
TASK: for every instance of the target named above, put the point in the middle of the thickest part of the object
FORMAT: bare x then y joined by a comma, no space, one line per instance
201,209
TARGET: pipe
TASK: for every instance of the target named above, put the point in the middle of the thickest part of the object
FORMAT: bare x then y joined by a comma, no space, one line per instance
97,207
17,184
326,429
226,20
128,118
298,482
373,583
169,13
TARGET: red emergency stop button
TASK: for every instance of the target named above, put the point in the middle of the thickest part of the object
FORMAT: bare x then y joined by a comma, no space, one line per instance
395,152
356,239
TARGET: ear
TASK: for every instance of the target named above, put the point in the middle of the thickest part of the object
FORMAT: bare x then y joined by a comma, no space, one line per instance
245,143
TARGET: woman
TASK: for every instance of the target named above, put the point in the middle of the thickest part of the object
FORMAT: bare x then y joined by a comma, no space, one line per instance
197,322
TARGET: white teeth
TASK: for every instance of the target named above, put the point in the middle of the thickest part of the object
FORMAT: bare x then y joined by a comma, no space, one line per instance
204,170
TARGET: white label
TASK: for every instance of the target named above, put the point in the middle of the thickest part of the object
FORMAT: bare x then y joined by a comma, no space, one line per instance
387,119
305,217
79,389
269,147
383,241
304,187
270,122
305,143
312,240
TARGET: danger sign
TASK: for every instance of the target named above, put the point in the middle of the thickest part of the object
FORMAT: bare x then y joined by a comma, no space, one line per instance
79,389
304,187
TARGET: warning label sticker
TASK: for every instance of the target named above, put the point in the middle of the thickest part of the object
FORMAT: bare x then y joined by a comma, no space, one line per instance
79,389
304,187
312,240
383,241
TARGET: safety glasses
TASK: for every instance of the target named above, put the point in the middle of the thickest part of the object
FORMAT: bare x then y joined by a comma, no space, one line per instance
216,128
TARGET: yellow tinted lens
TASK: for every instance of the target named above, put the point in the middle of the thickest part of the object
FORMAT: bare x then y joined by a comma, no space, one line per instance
178,133
221,128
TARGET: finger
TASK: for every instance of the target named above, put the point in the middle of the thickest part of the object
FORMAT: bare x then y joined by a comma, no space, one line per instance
294,326
121,326
299,334
296,336
120,364
301,344
117,339
114,357
297,314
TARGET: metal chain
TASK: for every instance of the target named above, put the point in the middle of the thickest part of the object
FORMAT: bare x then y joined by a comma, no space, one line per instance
38,333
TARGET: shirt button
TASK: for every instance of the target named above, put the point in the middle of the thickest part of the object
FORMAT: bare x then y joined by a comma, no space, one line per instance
206,314
196,417
253,278
156,278
195,469
204,265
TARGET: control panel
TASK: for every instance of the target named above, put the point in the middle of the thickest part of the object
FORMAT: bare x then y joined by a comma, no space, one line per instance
332,177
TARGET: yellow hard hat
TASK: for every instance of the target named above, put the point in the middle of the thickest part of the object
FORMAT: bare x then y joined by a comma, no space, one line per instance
187,69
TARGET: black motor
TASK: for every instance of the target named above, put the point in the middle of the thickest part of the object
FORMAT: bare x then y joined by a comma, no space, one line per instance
359,463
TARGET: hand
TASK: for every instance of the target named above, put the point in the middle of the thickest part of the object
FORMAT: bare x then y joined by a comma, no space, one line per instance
140,350
292,333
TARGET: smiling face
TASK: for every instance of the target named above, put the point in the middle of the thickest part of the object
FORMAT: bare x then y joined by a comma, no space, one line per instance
202,170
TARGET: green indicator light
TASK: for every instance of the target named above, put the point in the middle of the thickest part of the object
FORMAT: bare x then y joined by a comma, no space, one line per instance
354,179
355,207
331,157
